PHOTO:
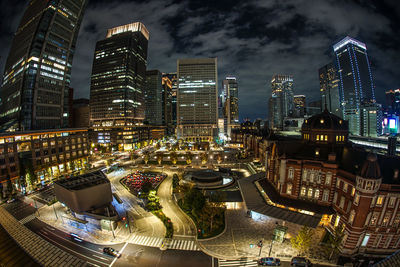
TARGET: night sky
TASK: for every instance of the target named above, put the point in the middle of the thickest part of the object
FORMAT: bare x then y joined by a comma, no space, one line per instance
252,39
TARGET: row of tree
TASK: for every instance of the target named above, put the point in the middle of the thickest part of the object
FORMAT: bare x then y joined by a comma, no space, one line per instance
304,240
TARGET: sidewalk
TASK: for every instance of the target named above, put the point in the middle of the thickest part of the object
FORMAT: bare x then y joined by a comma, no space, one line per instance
45,253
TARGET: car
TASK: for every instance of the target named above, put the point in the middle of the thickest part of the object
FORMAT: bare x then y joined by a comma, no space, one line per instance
75,237
269,261
112,252
300,262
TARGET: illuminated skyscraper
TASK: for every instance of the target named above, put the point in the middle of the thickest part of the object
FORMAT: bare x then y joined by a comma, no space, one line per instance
174,88
329,88
231,103
299,105
197,98
153,97
281,103
167,104
119,76
35,89
356,86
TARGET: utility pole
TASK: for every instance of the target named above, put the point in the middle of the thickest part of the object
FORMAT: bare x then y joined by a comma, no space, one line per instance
260,245
127,221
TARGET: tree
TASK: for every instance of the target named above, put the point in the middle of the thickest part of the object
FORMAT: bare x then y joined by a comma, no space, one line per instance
219,158
174,157
303,240
175,181
189,157
146,156
204,158
335,240
159,157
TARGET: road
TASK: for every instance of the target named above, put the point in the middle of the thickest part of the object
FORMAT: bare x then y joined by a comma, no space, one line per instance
183,227
145,223
132,255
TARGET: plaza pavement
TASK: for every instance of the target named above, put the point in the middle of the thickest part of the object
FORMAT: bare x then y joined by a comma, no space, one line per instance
242,231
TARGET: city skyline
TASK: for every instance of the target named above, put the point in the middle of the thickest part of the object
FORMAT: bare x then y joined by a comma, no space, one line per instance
294,38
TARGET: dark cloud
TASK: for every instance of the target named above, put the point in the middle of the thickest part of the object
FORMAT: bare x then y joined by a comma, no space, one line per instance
252,39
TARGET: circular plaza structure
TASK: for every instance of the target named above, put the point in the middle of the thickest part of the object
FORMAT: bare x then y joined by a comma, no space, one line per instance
207,179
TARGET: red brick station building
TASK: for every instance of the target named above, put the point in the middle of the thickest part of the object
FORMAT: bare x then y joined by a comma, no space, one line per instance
324,173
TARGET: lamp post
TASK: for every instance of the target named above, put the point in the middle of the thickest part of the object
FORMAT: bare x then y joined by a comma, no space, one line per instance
260,245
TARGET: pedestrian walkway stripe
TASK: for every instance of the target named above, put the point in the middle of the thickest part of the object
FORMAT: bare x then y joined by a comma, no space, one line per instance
27,219
236,263
156,242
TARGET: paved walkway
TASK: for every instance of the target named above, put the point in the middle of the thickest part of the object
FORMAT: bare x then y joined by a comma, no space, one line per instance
45,253
242,233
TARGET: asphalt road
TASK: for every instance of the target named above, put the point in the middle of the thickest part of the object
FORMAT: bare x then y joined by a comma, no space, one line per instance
183,227
145,223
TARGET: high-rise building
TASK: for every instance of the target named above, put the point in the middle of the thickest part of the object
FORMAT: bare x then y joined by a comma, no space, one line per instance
299,105
329,89
197,110
174,88
281,103
35,89
80,113
393,101
119,76
231,105
356,86
153,97
167,104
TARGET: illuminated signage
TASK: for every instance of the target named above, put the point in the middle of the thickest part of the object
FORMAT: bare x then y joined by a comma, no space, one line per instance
392,123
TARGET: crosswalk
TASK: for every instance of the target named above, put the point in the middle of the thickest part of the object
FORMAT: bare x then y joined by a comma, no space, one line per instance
237,263
157,241
27,219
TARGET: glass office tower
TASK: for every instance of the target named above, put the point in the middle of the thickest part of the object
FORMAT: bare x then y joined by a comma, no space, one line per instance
35,90
356,87
329,89
231,103
119,77
197,106
281,103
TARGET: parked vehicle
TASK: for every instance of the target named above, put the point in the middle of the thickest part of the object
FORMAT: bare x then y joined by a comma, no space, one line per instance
111,252
269,261
300,262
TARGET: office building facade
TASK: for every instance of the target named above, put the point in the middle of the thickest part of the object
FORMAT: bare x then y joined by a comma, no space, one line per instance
329,89
174,91
197,103
281,103
35,89
356,86
167,105
119,76
393,101
231,103
153,97
299,106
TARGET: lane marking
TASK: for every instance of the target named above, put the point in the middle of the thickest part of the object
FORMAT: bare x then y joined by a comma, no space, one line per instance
100,257
122,250
51,241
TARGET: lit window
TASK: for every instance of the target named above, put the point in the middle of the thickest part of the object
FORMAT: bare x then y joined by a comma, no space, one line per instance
328,178
365,240
337,138
290,173
326,138
310,192
341,204
351,217
317,137
386,219
289,189
379,201
356,199
353,191
316,194
337,220
392,201
345,187
325,195
374,218
303,191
